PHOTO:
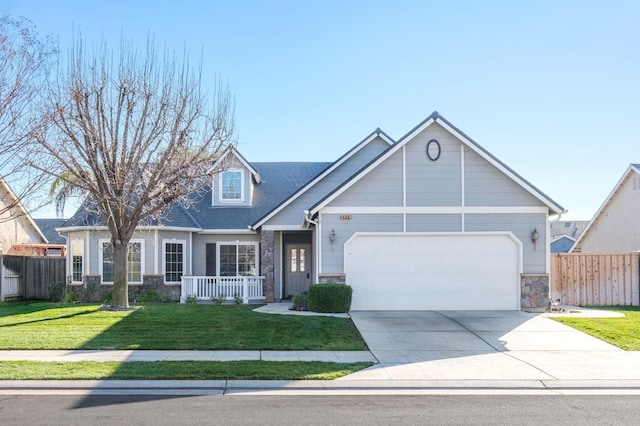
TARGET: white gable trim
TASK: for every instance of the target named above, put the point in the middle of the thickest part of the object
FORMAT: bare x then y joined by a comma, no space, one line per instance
23,214
630,169
331,168
232,151
465,141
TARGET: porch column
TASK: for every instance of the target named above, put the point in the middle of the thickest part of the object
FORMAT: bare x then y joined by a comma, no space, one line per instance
267,266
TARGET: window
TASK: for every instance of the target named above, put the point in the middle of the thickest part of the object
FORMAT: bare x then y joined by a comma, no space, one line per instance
237,258
231,185
77,257
174,257
134,262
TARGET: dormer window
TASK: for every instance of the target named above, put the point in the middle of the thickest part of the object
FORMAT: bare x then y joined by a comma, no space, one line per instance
231,186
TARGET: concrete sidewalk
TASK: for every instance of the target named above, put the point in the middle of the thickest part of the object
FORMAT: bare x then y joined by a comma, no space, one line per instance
175,355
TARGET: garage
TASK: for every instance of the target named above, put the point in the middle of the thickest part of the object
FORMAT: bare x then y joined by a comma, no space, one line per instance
434,271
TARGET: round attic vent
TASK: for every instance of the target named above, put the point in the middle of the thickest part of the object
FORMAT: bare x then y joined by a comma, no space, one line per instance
433,150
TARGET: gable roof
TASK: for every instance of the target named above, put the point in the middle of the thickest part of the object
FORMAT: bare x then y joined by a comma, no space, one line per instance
232,151
279,181
631,170
435,117
14,203
567,228
371,137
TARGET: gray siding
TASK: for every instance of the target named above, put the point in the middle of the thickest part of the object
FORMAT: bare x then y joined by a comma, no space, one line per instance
434,183
149,250
381,187
333,254
485,185
199,248
521,225
292,214
434,223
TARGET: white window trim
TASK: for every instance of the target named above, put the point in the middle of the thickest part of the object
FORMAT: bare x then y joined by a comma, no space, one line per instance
101,259
242,191
236,244
84,256
164,258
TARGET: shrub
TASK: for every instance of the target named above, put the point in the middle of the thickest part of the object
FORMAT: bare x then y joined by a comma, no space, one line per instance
300,302
153,296
237,299
191,299
70,297
106,298
219,299
57,291
329,297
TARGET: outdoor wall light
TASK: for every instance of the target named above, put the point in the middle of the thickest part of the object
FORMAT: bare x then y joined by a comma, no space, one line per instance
332,236
534,237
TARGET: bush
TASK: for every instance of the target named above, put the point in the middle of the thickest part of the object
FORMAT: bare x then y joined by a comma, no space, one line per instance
300,302
153,296
106,298
57,291
329,297
191,299
70,297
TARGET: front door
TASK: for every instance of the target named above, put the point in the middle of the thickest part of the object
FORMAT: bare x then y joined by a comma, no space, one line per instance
297,268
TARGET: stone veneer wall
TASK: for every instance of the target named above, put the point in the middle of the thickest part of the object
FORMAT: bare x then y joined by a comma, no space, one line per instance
92,291
332,278
534,291
267,261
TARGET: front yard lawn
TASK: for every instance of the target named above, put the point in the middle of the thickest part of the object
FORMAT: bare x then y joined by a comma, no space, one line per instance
44,325
623,332
177,370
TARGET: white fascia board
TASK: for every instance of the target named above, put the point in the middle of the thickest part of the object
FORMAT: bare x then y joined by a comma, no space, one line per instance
226,231
13,198
438,210
138,228
331,168
500,167
283,228
604,205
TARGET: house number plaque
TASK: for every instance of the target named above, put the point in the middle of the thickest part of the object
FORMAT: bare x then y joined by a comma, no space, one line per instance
345,217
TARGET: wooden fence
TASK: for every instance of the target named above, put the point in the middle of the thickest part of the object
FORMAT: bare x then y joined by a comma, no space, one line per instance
583,279
27,277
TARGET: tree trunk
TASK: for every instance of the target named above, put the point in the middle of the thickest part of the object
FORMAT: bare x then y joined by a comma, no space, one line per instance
120,275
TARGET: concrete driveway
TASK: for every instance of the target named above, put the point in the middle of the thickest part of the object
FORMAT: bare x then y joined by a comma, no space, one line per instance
485,345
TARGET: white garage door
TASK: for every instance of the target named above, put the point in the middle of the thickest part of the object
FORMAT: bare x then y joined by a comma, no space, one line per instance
411,271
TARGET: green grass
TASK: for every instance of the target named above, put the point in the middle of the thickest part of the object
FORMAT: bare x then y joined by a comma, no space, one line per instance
43,325
623,332
177,370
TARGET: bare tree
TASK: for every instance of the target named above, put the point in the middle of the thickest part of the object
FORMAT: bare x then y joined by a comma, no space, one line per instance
132,132
24,60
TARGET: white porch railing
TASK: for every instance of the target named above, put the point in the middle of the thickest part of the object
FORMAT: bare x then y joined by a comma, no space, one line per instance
228,288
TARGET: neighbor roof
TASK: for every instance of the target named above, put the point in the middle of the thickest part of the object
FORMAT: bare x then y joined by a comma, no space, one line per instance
48,228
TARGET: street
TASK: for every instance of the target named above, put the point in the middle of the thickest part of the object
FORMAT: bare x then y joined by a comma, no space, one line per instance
142,410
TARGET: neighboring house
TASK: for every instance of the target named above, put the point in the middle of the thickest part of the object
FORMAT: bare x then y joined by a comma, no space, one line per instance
615,228
16,225
564,234
432,221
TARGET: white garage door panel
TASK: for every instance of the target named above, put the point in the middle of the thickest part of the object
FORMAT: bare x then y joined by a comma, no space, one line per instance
400,271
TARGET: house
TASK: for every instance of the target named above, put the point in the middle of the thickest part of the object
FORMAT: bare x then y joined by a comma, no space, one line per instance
564,234
16,225
431,221
615,228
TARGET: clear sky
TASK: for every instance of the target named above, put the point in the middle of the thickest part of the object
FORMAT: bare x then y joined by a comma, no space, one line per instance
552,88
